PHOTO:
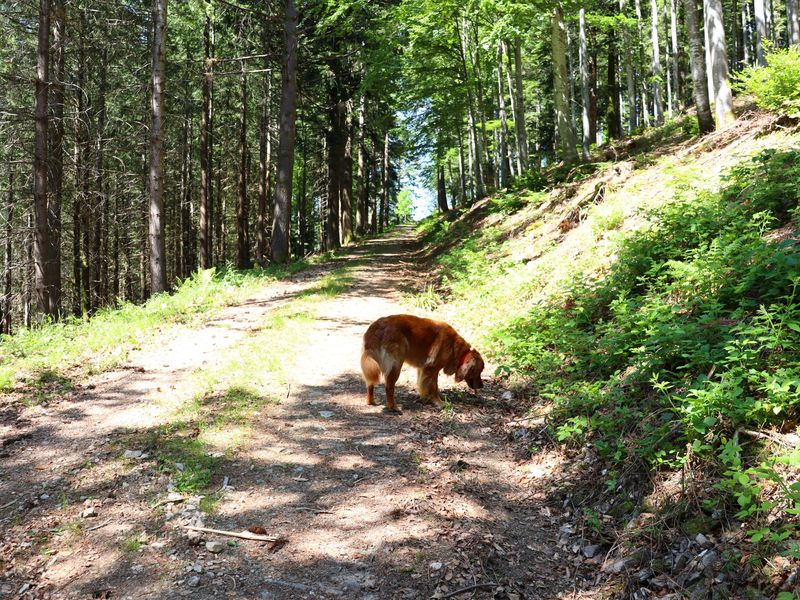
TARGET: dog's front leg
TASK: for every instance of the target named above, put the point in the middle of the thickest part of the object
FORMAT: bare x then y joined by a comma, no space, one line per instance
428,385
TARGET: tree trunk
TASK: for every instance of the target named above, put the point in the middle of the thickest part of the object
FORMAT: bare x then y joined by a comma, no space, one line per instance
346,191
584,69
461,171
505,165
792,23
441,189
746,33
613,114
723,98
158,274
475,57
41,241
335,156
363,189
281,222
673,29
206,244
243,207
519,109
475,158
384,216
630,78
5,305
761,31
97,257
698,61
640,43
56,155
658,108
566,133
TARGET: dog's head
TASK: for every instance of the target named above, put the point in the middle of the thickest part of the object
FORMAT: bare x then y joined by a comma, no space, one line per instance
470,370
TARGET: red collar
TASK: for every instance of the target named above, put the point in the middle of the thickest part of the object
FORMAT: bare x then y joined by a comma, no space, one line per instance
464,358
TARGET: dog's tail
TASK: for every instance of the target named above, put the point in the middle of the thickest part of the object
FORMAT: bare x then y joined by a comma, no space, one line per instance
370,369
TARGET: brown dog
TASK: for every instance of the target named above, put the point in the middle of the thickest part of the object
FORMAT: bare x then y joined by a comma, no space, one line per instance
429,345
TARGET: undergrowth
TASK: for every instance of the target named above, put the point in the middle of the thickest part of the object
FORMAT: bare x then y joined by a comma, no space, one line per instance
687,343
48,350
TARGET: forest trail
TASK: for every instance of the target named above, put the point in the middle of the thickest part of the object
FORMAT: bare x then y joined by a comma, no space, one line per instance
370,505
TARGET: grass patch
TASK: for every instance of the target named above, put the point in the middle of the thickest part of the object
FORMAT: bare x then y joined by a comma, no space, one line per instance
103,341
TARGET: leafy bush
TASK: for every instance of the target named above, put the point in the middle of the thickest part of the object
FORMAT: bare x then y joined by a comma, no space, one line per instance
776,86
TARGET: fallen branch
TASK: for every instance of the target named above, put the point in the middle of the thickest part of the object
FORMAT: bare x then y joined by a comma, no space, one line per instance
99,526
244,535
173,501
469,588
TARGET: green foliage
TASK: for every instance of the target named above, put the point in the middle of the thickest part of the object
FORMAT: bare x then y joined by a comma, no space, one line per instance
692,334
776,86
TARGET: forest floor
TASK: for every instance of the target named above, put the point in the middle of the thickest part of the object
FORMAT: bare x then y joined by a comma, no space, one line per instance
98,484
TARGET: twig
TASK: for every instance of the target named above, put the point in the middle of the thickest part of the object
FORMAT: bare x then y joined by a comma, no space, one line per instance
244,535
168,501
99,526
7,504
469,588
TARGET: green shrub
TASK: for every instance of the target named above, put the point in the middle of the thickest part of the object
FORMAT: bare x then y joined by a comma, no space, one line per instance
776,86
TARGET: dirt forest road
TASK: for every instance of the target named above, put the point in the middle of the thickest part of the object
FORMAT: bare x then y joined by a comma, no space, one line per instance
371,506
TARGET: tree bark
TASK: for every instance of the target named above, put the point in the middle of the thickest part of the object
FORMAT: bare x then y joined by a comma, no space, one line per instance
519,110
264,163
761,31
698,61
673,29
640,43
505,164
158,274
335,148
441,189
346,191
614,112
792,23
566,133
5,305
476,152
206,244
384,216
243,207
40,195
658,108
723,98
56,156
584,69
363,188
281,222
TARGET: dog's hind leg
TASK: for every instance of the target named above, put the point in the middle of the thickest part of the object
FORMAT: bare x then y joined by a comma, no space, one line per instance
391,379
372,375
428,385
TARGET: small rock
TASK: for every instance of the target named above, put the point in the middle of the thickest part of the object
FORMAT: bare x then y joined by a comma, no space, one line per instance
197,567
215,546
179,467
137,568
708,558
507,395
88,512
194,537
701,539
193,581
44,497
132,454
591,551
435,566
326,414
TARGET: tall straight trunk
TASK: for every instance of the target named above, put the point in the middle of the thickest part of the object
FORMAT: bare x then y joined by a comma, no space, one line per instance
80,263
658,108
144,288
385,183
513,99
219,220
29,286
629,74
673,31
374,179
643,80
56,159
461,172
723,98
243,207
441,189
158,273
206,221
5,303
281,222
566,133
707,46
614,112
363,189
477,173
761,31
584,69
115,250
475,56
519,110
698,60
335,154
572,103
668,70
264,174
792,23
346,191
505,165
746,33
41,241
